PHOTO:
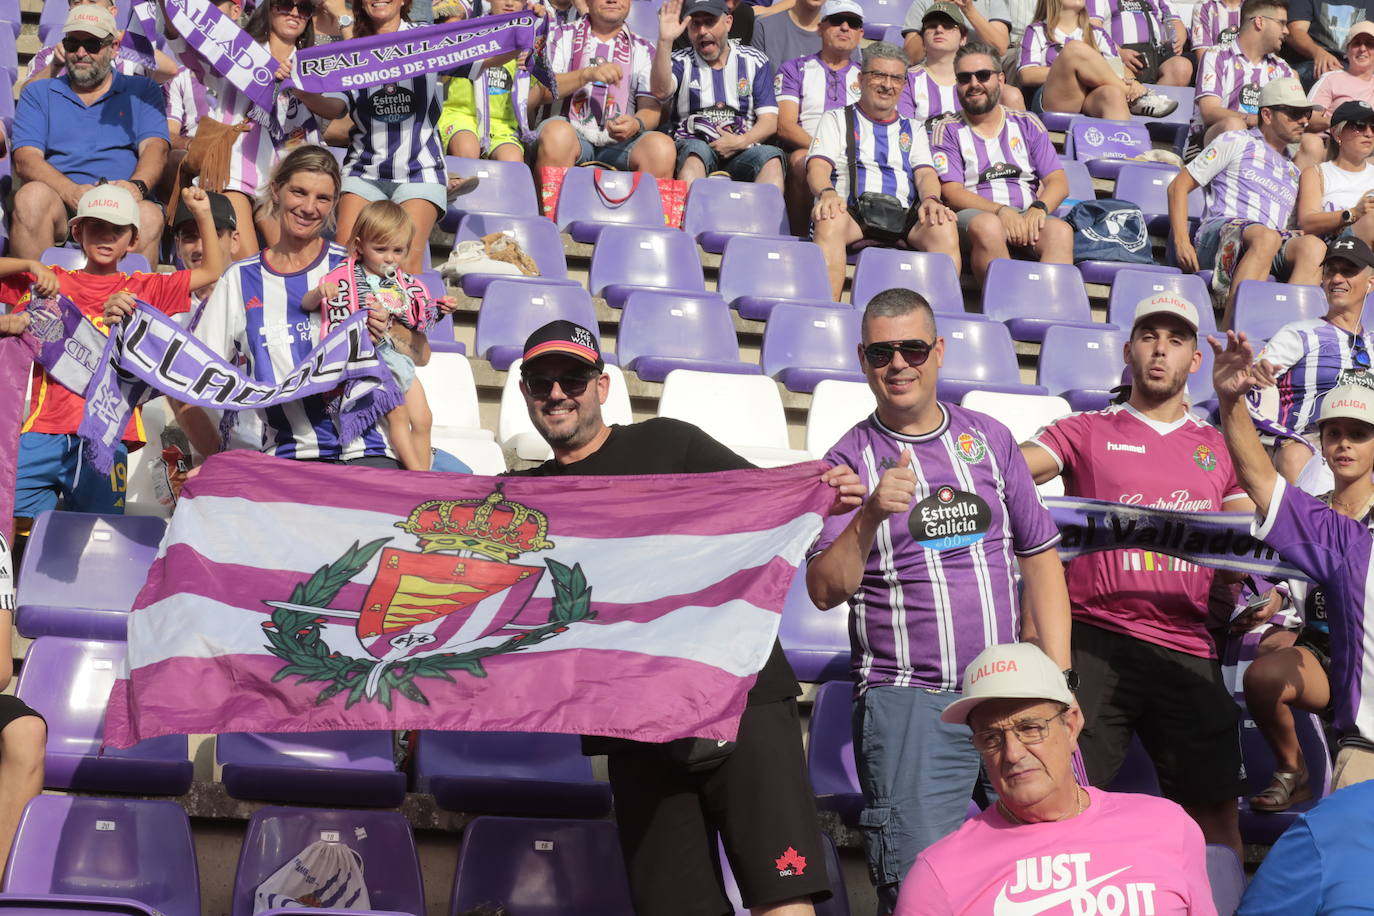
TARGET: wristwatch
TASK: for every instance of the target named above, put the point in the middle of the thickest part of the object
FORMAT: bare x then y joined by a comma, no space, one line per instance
1347,218
345,20
1039,205
142,187
1071,678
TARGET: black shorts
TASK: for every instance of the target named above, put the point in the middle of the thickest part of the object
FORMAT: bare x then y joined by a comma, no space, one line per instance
1155,56
1178,704
11,708
758,802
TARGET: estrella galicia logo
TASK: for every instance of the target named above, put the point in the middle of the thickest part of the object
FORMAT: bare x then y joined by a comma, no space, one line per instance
949,518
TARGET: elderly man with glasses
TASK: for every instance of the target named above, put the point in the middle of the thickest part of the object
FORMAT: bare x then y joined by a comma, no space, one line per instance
871,174
87,125
929,567
1049,845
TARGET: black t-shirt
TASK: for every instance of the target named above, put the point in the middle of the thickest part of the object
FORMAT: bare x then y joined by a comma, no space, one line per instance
1330,23
667,446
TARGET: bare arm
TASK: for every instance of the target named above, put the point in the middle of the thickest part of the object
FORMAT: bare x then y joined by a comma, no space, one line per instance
914,46
1179,189
152,158
1212,111
320,105
1053,189
961,198
1312,219
1045,618
1300,40
1042,465
670,26
1032,78
790,131
196,424
649,111
1232,378
836,572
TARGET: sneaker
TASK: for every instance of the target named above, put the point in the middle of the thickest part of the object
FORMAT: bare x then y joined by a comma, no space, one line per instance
1153,105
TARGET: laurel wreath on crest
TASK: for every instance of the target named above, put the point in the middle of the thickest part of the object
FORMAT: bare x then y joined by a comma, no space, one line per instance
294,636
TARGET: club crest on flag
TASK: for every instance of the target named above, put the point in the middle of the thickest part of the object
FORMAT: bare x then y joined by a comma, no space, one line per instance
428,612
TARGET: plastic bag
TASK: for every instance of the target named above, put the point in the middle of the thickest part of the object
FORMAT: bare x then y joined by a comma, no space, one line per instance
322,875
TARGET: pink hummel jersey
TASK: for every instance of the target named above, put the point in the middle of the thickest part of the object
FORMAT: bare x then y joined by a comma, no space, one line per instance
1118,454
1126,855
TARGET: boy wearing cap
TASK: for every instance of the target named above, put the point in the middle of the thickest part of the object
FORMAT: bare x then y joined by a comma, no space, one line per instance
106,226
88,125
1140,643
991,21
1049,845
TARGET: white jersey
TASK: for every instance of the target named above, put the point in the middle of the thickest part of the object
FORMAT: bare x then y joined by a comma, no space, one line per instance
888,154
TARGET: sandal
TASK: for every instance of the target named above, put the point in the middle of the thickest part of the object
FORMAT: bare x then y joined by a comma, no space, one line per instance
1283,792
457,187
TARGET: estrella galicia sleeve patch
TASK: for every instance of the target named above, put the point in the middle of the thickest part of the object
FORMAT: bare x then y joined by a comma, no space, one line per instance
949,518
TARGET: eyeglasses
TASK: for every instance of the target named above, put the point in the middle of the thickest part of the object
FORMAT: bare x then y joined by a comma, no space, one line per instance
92,46
1272,19
1293,114
964,77
892,79
305,7
915,352
854,22
541,386
1028,731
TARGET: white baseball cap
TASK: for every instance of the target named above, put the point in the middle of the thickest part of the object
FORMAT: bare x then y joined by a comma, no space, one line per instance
91,19
840,8
1352,402
1286,91
1015,671
1168,304
109,202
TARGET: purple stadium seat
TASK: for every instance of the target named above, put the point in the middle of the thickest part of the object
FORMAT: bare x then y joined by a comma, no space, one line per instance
643,18
1262,826
81,573
9,12
592,199
662,331
979,355
1226,875
1131,286
75,259
125,849
535,234
318,768
1080,185
1082,365
391,865
629,258
1147,186
757,274
815,642
511,310
837,905
1105,271
879,15
514,773
502,187
9,54
1262,307
830,752
719,209
931,275
1105,145
69,681
24,905
1030,297
541,868
803,346
50,23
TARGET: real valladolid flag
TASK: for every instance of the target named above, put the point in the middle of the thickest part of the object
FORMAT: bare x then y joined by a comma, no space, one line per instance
303,597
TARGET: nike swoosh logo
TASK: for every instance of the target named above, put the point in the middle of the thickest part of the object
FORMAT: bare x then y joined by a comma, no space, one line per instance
1005,907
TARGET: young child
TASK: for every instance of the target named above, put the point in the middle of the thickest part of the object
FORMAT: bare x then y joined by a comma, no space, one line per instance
106,228
371,276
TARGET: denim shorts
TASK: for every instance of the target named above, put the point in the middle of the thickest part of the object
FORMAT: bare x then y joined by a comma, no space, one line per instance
402,367
373,190
743,166
1207,243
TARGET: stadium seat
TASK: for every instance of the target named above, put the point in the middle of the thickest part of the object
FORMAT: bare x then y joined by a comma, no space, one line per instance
9,12
536,236
1262,826
837,905
512,773
931,275
541,868
69,681
391,865
515,431
757,274
75,259
123,850
9,53
835,407
68,905
145,465
1082,365
482,456
643,18
880,15
1080,186
1131,286
1103,143
979,355
1147,186
629,258
830,752
1023,415
502,187
663,331
512,310
815,642
803,346
452,395
1226,875
318,768
743,412
1263,307
719,209
50,22
1030,297
592,199
81,573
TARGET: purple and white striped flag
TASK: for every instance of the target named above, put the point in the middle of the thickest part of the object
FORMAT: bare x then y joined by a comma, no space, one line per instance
306,597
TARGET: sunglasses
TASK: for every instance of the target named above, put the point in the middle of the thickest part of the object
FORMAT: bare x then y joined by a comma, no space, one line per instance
915,352
541,386
1294,114
1364,127
964,77
854,22
92,46
305,7
1359,356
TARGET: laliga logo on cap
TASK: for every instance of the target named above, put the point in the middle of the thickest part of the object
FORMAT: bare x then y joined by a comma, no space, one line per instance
1350,402
1169,301
1004,666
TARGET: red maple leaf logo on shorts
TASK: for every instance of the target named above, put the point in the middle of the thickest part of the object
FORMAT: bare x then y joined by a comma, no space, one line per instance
791,863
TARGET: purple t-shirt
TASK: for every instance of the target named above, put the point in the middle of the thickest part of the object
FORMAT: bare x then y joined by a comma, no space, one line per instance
1335,551
1006,169
939,585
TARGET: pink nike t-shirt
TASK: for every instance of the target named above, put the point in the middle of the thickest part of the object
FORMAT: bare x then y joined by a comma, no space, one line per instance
1126,855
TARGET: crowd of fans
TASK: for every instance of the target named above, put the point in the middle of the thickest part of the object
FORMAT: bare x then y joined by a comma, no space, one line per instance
936,145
